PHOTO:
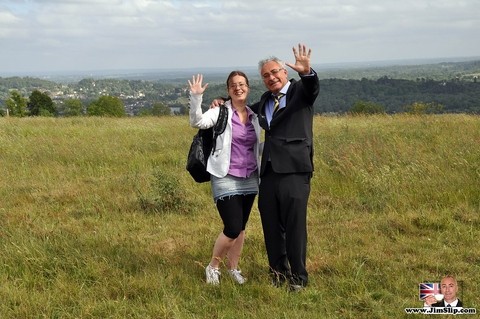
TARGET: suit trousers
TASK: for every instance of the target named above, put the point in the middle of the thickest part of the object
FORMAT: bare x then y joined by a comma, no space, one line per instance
282,203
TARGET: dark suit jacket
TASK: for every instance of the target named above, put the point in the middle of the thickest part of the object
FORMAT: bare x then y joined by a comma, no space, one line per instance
289,138
442,304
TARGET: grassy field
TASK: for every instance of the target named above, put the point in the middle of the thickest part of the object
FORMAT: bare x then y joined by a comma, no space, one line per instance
99,219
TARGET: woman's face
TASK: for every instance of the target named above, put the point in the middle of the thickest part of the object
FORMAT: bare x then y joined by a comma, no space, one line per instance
238,88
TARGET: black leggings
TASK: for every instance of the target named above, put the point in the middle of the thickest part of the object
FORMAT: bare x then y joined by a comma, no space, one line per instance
234,211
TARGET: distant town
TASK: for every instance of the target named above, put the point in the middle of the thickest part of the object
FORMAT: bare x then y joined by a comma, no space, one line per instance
450,86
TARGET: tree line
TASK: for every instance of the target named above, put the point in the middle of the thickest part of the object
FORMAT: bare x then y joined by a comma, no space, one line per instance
397,95
40,104
339,96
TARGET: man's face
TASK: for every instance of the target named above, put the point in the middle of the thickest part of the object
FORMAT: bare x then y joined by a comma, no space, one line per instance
449,288
274,76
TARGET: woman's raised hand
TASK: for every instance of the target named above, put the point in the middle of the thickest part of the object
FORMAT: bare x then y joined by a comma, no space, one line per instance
196,84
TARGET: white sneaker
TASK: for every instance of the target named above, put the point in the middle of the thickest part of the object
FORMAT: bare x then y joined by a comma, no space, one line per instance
213,275
237,276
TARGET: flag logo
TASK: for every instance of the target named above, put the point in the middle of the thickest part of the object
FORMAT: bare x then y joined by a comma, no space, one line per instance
428,288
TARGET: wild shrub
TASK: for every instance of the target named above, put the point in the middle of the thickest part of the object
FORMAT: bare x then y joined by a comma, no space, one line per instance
165,195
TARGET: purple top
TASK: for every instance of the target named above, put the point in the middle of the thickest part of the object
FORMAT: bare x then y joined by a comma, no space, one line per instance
242,157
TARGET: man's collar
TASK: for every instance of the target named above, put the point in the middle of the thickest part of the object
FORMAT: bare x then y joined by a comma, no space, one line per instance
453,303
285,88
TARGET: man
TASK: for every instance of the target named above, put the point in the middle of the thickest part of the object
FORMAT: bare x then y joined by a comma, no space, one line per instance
287,164
449,289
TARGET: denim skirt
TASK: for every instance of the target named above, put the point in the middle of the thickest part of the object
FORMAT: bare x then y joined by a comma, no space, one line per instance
232,185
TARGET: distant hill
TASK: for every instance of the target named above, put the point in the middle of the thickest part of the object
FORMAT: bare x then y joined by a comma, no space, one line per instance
436,69
439,70
393,84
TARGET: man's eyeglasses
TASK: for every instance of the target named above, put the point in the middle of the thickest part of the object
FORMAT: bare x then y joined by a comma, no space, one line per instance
237,85
272,72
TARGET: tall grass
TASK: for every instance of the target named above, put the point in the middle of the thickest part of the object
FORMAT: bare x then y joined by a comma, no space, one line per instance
99,219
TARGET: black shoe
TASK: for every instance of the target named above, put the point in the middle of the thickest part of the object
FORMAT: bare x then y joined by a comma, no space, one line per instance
296,284
278,279
296,288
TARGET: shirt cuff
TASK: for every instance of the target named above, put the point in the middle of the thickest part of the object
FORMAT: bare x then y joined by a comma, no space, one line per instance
312,73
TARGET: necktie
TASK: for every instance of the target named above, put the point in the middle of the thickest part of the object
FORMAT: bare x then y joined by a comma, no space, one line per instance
449,305
276,102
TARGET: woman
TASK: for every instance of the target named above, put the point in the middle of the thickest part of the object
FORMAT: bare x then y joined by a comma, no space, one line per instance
233,167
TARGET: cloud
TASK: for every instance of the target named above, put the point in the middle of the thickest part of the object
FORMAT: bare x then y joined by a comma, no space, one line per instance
105,34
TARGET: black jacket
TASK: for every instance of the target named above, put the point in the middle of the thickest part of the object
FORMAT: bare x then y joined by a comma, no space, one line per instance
289,138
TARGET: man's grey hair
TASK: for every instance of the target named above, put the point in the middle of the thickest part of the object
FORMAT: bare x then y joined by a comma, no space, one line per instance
270,59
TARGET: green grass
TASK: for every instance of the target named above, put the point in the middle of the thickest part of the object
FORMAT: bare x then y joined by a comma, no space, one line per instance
99,219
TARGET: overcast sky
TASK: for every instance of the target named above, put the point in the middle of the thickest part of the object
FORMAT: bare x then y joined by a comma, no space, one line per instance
65,35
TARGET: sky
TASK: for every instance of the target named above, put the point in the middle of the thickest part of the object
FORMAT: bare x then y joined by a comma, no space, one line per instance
83,35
